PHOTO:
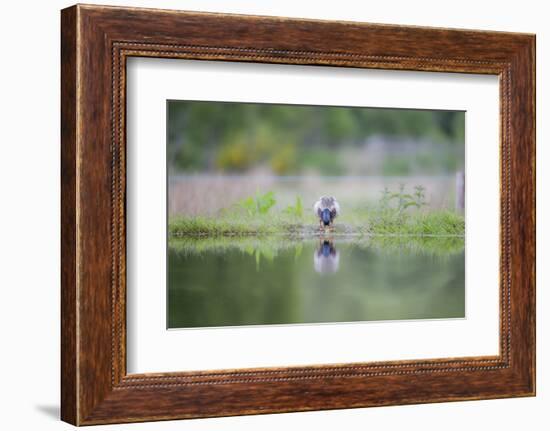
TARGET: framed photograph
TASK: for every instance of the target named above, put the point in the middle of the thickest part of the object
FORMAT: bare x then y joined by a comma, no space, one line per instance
263,214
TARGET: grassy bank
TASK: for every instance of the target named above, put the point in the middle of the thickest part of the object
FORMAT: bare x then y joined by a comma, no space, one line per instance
397,213
358,222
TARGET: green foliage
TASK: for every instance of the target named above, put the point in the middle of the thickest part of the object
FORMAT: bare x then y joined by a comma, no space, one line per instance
435,223
399,201
265,202
259,204
436,159
217,226
234,156
283,159
397,213
240,150
376,222
296,210
234,137
340,124
326,161
419,196
396,166
400,213
249,205
355,222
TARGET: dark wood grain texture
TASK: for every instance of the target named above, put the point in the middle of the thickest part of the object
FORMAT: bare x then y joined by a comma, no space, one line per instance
68,217
95,43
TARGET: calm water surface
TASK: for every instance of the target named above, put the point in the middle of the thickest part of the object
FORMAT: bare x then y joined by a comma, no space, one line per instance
314,281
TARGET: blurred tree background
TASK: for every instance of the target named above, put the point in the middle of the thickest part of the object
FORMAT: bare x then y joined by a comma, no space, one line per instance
220,137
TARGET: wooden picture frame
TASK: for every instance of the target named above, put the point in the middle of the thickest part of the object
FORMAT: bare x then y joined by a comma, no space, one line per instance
95,43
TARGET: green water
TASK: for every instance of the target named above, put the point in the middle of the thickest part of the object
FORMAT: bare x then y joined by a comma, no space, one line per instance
310,281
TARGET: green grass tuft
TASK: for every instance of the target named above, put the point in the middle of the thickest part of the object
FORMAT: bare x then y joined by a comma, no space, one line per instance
434,223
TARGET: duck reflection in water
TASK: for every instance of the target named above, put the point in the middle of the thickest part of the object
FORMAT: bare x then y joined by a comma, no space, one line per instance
326,259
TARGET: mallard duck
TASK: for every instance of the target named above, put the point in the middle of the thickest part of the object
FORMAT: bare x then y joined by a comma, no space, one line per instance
326,259
327,209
